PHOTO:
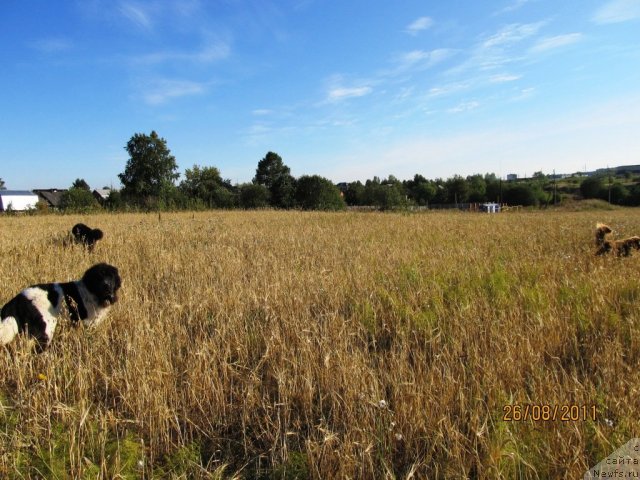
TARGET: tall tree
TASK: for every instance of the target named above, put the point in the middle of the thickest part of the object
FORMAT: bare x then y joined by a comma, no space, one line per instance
276,176
82,184
78,200
458,189
253,195
593,187
150,170
477,188
314,192
206,185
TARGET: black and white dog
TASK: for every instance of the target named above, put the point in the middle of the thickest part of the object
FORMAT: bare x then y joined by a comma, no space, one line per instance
35,310
85,235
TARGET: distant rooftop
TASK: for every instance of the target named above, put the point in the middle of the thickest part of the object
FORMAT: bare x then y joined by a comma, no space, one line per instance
17,193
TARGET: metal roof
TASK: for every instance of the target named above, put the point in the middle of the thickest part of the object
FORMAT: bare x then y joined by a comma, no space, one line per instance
17,193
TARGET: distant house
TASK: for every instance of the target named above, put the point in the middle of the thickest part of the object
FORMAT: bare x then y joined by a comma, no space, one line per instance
51,196
512,176
102,194
17,200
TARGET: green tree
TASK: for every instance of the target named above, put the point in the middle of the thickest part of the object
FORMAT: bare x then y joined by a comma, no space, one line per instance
458,189
276,176
314,192
114,200
520,194
253,195
207,186
592,187
493,188
618,194
420,190
477,188
150,172
78,200
354,195
2,187
386,194
80,183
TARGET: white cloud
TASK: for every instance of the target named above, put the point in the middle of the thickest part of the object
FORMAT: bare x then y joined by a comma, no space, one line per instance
498,49
261,112
136,14
558,41
422,23
341,93
617,11
517,4
464,107
524,94
504,78
424,58
593,136
511,34
161,91
208,54
448,89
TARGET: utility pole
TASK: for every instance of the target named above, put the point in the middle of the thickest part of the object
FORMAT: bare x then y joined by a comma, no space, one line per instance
609,171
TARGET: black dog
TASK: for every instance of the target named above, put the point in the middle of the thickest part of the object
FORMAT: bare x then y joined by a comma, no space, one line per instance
36,309
85,235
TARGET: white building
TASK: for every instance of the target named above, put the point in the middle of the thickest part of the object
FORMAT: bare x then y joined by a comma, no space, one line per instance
490,207
17,200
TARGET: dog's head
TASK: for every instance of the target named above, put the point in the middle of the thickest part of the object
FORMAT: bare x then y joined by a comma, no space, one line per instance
103,281
634,242
602,230
80,230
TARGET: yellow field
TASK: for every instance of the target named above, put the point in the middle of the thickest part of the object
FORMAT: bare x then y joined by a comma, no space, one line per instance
313,345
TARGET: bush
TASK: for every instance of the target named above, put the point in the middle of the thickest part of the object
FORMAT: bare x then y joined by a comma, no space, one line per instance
318,193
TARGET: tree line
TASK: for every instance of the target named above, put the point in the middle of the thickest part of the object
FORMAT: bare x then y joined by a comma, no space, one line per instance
149,182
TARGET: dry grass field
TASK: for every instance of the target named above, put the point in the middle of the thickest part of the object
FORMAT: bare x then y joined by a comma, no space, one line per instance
266,345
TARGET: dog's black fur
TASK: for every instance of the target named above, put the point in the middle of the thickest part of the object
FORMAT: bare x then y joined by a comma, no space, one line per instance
36,309
85,235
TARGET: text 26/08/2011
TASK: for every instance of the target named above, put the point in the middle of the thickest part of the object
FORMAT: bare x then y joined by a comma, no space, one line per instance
548,413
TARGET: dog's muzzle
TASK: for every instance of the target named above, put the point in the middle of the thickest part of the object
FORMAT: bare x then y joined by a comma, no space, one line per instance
110,300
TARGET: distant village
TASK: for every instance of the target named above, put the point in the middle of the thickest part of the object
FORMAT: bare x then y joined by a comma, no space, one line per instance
51,198
21,200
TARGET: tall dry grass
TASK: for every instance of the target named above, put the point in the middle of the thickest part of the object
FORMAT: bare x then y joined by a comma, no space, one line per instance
311,345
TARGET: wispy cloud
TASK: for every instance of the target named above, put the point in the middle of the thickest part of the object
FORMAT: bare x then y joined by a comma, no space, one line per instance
259,112
210,53
448,89
464,107
617,11
556,143
511,34
423,58
341,93
136,14
514,5
504,78
418,25
161,91
551,43
498,49
524,94
51,45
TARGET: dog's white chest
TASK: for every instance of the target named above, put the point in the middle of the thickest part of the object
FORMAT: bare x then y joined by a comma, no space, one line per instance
40,300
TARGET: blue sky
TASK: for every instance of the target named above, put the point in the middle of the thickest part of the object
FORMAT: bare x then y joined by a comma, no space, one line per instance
347,90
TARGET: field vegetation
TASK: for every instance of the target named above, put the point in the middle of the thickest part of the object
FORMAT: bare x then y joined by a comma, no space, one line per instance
267,344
